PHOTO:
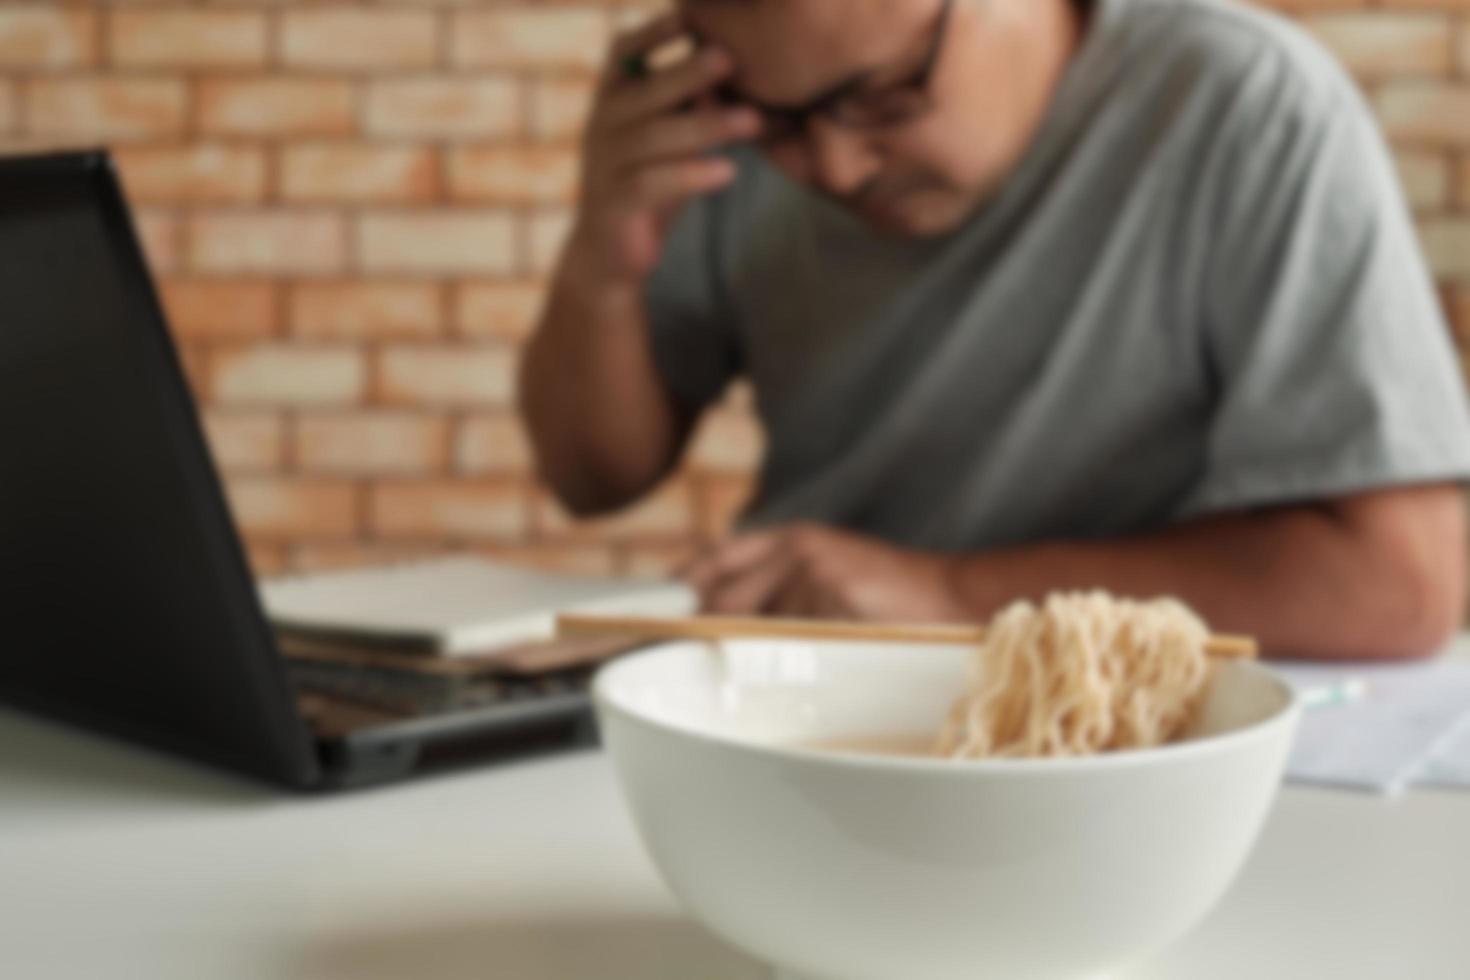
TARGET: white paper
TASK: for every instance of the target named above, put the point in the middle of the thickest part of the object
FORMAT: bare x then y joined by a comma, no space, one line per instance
1385,740
458,605
1449,764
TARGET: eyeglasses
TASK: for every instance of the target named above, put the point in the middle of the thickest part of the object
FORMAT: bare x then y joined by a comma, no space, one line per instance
892,105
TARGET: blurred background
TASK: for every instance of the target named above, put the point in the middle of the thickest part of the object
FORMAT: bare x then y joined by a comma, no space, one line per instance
352,207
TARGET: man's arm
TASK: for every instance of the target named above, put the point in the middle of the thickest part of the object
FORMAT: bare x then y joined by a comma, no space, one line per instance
1374,575
604,427
603,423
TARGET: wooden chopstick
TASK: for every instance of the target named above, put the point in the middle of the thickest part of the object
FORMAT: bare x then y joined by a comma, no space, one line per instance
734,627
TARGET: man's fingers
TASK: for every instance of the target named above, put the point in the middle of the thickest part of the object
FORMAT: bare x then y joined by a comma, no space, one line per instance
684,571
643,39
731,557
752,590
797,598
664,91
665,184
685,135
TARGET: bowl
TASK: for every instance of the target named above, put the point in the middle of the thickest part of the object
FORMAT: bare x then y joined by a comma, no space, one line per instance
844,865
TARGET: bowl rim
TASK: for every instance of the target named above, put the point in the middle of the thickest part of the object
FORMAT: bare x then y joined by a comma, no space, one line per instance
1171,752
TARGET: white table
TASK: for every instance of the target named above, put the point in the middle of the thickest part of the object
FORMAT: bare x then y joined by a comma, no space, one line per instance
117,863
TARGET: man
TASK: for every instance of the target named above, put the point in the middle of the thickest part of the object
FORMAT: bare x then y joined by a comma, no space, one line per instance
1034,295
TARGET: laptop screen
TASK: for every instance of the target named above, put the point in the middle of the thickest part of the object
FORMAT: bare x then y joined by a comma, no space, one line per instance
124,594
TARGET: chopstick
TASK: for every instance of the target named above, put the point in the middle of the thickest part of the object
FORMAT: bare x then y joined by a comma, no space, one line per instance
734,627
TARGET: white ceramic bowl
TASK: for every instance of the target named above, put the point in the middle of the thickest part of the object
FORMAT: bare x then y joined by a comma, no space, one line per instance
843,866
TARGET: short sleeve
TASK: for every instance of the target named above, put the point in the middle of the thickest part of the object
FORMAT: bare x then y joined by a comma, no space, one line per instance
689,319
1333,364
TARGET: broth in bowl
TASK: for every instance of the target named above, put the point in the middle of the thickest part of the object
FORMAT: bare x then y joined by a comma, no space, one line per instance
909,746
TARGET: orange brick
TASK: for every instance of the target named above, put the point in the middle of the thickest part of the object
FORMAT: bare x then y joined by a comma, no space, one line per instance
492,444
632,16
514,174
201,173
355,310
471,511
276,106
372,443
668,513
246,441
105,109
564,559
560,106
348,39
278,374
188,38
266,559
273,508
454,242
567,37
43,36
722,499
1373,44
506,310
1298,6
214,309
195,361
1464,47
547,234
1425,176
19,143
1422,4
1446,243
359,173
729,442
1465,183
356,172
284,242
443,108
160,233
1432,113
447,375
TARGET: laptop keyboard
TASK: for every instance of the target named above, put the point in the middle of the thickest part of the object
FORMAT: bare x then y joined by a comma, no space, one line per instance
414,695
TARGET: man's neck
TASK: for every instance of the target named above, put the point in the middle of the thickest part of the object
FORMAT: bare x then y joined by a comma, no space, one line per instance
1051,40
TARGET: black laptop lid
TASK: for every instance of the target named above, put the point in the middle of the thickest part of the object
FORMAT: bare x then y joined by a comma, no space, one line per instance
125,600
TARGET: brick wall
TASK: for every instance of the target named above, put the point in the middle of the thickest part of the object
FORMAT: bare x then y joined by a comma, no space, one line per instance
351,208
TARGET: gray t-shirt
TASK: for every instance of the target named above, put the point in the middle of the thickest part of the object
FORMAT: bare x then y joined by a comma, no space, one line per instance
1199,292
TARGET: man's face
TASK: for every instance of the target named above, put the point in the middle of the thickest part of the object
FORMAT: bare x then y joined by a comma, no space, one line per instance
919,176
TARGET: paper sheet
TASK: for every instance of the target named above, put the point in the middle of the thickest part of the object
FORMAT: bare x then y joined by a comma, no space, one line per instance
1449,765
1386,740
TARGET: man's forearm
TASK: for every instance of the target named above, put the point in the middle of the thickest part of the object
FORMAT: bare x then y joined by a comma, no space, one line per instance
603,426
1303,580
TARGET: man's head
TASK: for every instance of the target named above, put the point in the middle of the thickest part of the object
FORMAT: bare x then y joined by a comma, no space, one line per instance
919,107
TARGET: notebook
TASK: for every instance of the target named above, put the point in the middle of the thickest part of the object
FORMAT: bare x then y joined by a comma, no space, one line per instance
1403,731
1449,764
455,606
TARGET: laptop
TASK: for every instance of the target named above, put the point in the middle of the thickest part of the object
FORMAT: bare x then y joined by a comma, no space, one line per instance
125,597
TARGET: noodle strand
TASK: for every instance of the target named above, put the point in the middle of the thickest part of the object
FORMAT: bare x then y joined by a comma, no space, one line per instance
1085,673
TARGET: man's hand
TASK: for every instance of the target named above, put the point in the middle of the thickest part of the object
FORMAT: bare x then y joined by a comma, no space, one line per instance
811,571
604,425
647,150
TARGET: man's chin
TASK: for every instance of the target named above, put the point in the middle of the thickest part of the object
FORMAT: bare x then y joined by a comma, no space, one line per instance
920,216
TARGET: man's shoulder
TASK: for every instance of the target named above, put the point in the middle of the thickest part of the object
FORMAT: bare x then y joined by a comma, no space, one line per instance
1238,48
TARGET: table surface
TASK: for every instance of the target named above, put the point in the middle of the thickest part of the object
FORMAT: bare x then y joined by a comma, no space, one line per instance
115,861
